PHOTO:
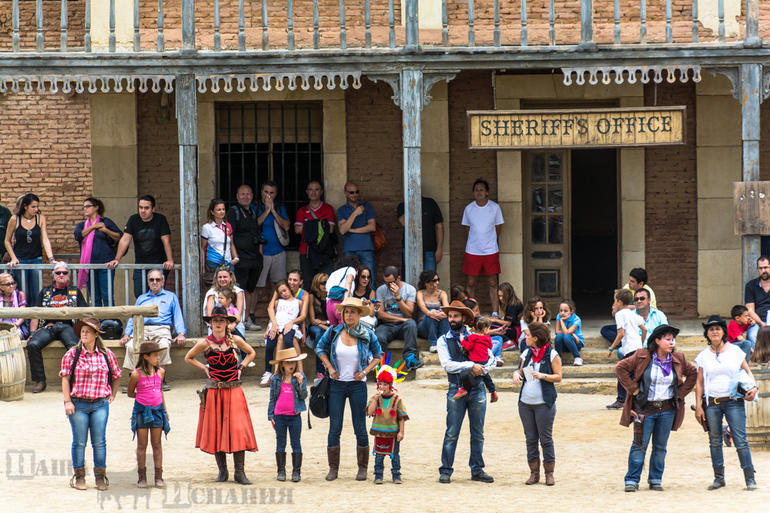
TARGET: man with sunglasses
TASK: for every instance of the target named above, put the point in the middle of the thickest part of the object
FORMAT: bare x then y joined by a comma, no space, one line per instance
356,224
60,294
651,315
157,329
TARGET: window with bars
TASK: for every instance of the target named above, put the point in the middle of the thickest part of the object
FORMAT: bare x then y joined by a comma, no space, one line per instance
279,141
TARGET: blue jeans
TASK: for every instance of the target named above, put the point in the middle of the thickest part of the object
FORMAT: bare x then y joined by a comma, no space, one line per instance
568,342
751,334
316,332
102,296
658,426
32,280
610,332
432,329
475,403
428,264
622,391
745,346
355,391
366,258
395,462
93,417
497,345
734,412
292,424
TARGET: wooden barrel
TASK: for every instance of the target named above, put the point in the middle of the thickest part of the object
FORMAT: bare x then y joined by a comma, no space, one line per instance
13,364
758,413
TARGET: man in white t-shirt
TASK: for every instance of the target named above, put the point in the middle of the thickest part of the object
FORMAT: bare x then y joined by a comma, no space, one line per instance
628,323
395,315
483,220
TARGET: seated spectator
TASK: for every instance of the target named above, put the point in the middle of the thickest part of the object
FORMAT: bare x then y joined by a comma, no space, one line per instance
511,307
363,290
224,278
339,286
637,280
11,297
319,321
458,293
397,299
761,352
568,331
432,322
737,330
534,311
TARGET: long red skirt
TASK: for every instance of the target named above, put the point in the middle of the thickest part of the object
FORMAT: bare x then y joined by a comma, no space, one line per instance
225,426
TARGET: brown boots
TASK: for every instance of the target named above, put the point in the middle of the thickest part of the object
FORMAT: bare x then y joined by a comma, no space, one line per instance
78,480
534,472
549,481
142,481
159,482
101,479
363,462
333,455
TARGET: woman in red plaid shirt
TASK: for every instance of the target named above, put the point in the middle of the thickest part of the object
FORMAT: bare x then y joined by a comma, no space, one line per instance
88,390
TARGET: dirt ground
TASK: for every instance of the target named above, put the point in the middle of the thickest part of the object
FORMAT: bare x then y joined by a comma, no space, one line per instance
591,456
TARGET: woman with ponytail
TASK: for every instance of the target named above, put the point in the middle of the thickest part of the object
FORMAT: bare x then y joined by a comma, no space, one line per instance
224,422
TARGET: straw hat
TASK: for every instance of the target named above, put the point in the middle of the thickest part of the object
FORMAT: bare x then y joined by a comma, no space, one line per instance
355,303
287,355
91,322
458,306
149,347
220,313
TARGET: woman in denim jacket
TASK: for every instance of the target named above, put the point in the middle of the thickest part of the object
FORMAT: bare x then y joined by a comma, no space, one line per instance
349,351
288,391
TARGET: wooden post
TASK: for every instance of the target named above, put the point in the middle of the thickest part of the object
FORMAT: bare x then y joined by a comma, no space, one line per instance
187,120
412,98
587,25
188,27
750,99
752,25
412,27
138,336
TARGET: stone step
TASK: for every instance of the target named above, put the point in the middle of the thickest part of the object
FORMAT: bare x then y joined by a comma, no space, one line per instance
568,372
681,341
604,386
589,355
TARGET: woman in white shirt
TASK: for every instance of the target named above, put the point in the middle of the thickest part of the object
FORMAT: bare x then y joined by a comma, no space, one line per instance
718,366
216,241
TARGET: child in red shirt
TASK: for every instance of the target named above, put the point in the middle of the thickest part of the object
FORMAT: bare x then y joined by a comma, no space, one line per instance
478,345
736,330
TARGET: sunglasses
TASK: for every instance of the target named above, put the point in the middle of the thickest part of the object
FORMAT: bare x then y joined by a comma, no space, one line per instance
153,280
352,192
29,236
366,277
323,283
61,273
638,299
435,280
9,284
88,206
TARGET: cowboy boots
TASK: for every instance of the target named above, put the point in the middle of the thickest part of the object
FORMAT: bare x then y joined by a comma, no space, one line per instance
101,479
549,481
223,475
142,481
296,463
78,480
751,484
333,455
534,472
719,478
363,462
159,482
240,476
280,460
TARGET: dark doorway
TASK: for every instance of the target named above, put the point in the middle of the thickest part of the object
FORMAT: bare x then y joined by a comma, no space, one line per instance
594,230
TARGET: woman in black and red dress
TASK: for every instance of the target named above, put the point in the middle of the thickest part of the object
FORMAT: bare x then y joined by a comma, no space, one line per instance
224,423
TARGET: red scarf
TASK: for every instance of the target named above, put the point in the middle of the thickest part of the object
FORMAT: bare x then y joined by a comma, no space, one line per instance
538,353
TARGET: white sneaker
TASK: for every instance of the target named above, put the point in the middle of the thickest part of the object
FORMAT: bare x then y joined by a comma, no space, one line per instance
578,362
251,364
433,349
266,378
250,326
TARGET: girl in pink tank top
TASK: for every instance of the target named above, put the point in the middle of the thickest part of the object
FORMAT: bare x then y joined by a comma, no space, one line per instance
149,417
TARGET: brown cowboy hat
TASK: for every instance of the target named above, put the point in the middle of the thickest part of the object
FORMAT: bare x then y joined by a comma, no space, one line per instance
149,347
220,313
355,303
91,322
458,306
287,355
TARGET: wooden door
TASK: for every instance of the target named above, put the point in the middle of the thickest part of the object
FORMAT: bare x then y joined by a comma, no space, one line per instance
546,237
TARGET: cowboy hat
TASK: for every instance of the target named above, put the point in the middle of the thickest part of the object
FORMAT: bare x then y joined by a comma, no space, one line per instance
661,330
220,313
287,355
91,322
458,306
355,303
149,347
715,320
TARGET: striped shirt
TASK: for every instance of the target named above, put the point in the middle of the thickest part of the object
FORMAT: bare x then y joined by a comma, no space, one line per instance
91,380
661,387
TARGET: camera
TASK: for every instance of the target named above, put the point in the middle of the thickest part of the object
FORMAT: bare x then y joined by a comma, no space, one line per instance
258,239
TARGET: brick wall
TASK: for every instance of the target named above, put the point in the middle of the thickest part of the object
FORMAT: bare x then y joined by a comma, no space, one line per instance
76,10
671,210
158,163
45,141
375,160
470,90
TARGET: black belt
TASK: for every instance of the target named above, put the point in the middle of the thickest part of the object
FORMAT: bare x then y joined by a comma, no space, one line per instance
210,383
716,400
87,400
659,404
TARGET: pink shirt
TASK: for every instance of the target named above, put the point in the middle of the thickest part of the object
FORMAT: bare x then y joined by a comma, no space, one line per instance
149,391
285,403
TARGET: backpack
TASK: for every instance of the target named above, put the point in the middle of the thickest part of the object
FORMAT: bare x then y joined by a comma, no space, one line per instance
75,364
319,398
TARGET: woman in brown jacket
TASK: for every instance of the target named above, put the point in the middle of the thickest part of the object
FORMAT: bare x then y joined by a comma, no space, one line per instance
657,381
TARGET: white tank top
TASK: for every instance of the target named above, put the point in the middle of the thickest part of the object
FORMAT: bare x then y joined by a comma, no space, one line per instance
347,362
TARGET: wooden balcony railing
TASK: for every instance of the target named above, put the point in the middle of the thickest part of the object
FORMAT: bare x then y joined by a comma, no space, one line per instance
160,26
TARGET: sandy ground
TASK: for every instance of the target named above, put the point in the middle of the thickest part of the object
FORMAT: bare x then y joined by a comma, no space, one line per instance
591,450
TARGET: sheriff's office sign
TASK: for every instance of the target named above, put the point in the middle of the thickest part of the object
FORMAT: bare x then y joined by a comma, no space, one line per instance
580,128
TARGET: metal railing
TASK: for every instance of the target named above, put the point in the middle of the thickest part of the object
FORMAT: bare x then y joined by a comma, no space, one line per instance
44,275
368,24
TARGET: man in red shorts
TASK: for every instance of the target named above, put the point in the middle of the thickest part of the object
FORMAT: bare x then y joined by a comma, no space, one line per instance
482,220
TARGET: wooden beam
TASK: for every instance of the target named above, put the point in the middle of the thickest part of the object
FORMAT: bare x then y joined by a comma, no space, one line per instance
138,336
79,312
411,101
750,99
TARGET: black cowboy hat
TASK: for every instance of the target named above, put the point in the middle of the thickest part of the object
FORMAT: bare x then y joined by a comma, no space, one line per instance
220,313
715,320
661,330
